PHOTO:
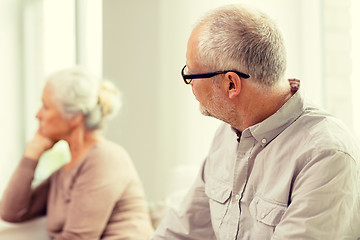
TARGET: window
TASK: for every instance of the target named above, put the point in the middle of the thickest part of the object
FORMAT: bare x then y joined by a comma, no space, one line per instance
40,37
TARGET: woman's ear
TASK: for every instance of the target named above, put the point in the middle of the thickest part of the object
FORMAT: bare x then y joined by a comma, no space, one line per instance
76,120
234,84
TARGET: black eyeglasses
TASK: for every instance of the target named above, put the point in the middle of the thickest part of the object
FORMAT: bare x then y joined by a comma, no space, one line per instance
189,77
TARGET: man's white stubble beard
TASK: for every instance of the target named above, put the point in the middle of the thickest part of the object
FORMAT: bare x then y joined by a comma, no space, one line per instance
217,111
217,108
204,111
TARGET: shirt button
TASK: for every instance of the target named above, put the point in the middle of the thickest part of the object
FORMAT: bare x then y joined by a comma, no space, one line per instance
237,197
264,140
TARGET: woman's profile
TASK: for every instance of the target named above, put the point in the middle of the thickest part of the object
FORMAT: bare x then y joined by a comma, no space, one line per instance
98,194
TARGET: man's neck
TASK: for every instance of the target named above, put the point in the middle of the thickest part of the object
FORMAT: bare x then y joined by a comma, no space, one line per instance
257,105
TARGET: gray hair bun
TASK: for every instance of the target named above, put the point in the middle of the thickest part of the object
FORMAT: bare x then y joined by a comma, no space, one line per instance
108,102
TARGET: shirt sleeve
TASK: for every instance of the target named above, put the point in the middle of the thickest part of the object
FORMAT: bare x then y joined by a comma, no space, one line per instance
191,220
325,200
20,202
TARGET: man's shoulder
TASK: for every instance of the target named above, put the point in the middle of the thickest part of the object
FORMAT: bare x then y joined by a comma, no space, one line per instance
321,130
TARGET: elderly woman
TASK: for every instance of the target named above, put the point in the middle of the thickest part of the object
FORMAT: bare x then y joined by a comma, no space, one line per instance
98,194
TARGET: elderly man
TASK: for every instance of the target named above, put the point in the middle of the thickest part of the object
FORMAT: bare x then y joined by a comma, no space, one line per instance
278,167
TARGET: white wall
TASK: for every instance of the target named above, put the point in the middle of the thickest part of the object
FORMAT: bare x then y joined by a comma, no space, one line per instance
355,57
130,59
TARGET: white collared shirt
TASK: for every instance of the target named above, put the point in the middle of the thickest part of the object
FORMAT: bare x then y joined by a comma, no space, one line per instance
293,176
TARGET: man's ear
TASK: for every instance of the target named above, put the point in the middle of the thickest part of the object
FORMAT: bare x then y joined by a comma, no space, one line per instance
233,84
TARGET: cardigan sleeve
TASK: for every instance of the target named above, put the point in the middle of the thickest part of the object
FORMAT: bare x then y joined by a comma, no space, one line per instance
20,201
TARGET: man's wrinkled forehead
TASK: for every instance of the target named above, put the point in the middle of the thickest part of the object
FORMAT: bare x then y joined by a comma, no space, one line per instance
193,47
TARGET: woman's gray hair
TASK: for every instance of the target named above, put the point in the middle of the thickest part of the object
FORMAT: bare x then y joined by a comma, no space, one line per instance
78,92
243,39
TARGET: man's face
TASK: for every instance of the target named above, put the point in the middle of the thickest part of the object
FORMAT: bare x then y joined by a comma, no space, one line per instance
206,91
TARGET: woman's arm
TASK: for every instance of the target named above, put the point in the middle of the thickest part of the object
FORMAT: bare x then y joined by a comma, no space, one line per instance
20,202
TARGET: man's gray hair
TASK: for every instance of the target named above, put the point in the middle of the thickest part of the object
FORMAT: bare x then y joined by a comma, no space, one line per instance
78,92
239,38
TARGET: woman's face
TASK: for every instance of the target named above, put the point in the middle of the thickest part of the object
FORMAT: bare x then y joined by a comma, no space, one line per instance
52,123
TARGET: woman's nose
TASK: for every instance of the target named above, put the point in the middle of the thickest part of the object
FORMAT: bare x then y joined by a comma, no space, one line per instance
38,114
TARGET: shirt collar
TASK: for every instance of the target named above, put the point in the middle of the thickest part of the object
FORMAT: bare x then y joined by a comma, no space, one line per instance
265,131
238,133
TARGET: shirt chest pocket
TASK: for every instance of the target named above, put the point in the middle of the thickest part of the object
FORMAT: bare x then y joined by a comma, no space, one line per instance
265,213
219,194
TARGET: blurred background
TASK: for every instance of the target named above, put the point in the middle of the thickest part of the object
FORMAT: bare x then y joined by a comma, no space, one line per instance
140,45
